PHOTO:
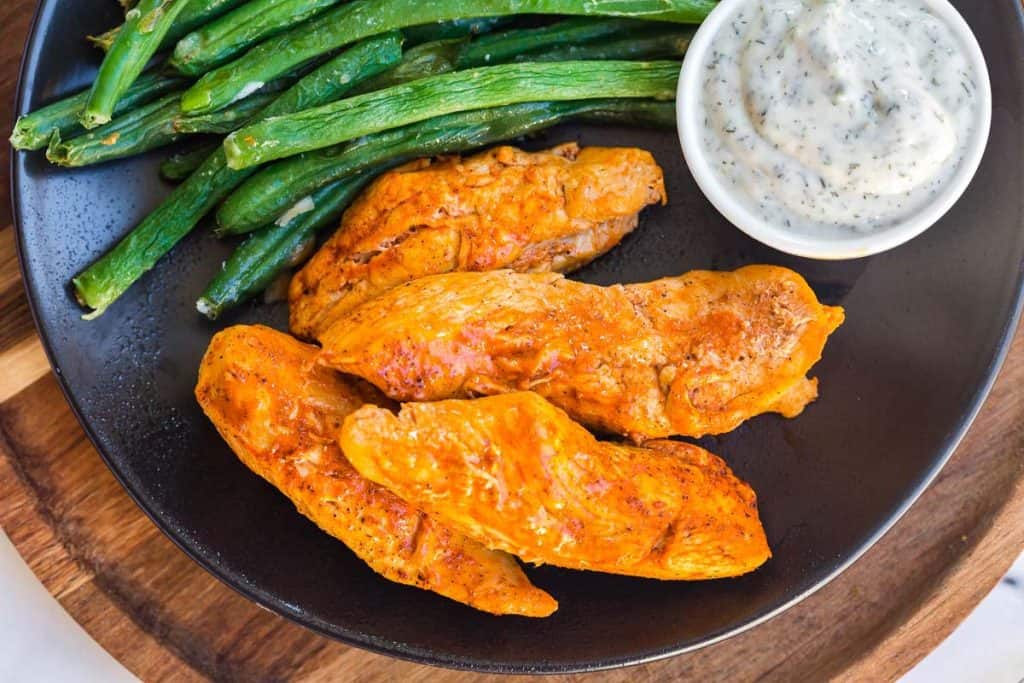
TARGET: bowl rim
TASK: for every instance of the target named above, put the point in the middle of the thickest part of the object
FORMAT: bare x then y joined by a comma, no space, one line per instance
804,245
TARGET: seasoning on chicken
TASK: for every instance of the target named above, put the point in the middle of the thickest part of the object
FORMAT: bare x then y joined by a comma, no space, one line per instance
692,355
279,410
517,474
505,208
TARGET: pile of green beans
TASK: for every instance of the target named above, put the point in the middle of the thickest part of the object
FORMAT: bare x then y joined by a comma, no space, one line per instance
102,283
295,105
356,20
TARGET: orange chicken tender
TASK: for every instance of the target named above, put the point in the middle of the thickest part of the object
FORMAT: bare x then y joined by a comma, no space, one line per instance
691,355
278,410
505,208
517,474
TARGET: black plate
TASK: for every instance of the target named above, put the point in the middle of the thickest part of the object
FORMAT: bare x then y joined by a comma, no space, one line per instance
928,326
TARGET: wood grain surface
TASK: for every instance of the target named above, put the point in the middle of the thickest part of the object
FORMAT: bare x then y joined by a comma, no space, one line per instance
164,618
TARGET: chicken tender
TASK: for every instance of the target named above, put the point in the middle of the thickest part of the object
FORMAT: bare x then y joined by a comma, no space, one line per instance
505,208
517,474
692,355
278,410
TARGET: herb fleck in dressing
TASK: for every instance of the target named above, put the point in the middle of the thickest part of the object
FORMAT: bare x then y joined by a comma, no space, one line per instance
828,116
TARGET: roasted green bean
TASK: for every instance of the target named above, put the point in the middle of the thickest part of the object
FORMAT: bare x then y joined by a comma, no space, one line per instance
140,130
33,131
222,39
102,283
428,59
665,43
449,30
445,94
498,48
225,120
138,40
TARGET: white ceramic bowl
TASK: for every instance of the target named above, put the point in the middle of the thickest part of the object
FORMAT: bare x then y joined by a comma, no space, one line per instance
690,125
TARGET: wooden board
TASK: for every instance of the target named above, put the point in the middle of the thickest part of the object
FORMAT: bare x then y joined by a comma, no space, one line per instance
164,618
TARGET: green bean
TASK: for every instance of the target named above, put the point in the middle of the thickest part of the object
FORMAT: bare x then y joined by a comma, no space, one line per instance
503,47
103,283
196,14
342,74
669,43
449,30
267,194
34,130
643,40
224,38
181,165
148,127
270,252
444,56
428,59
237,115
144,27
356,20
448,93
225,120
641,113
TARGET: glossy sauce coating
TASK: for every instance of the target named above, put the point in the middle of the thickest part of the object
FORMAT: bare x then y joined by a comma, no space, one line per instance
693,355
279,411
517,474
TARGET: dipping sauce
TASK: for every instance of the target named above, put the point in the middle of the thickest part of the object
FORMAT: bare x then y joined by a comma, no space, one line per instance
832,116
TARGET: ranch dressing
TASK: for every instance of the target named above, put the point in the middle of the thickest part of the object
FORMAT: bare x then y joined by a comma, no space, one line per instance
831,116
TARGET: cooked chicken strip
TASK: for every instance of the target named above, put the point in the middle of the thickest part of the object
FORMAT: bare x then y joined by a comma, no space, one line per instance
278,410
517,474
550,211
692,355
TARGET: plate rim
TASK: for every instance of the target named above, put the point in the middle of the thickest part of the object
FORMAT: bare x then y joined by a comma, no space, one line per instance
403,651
